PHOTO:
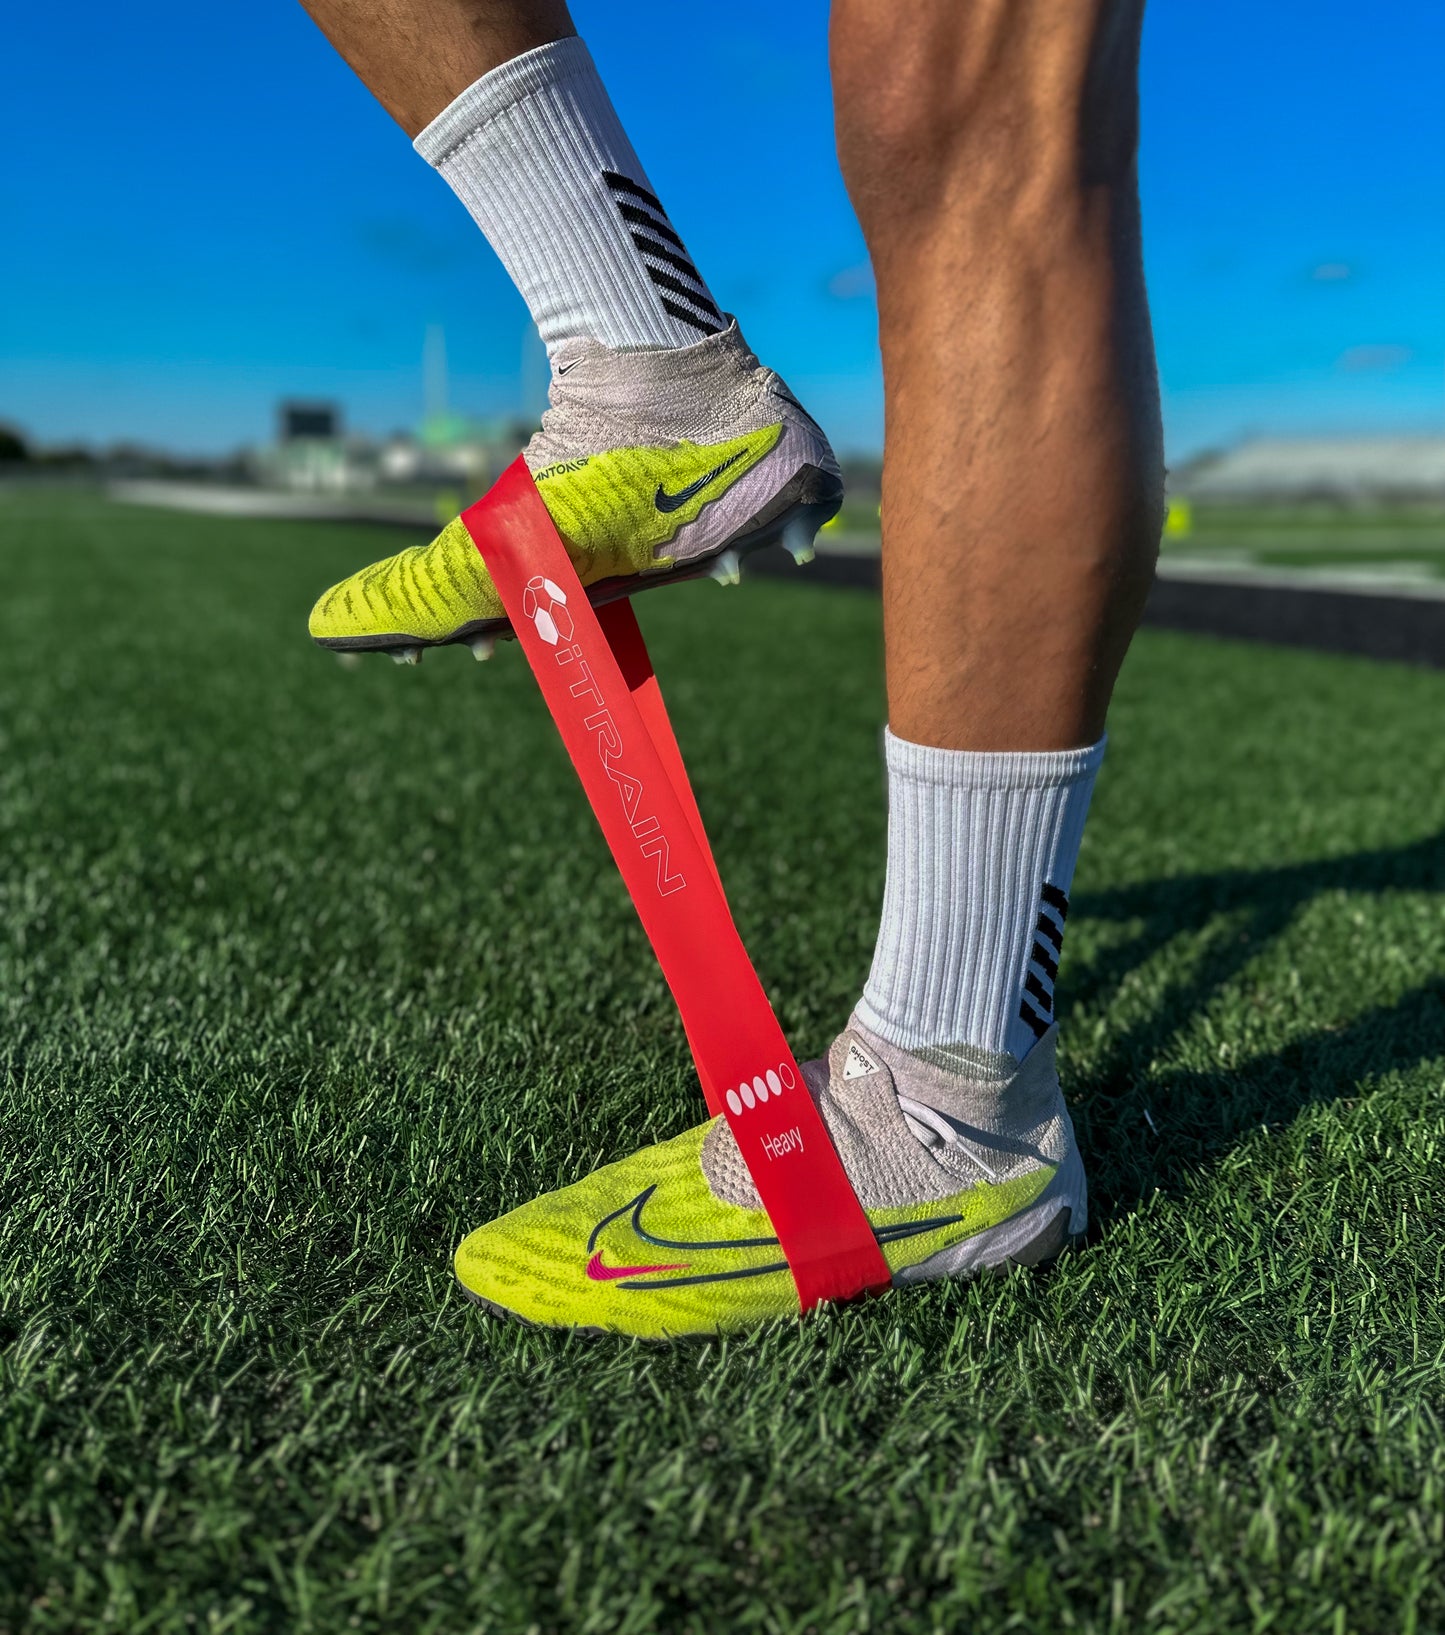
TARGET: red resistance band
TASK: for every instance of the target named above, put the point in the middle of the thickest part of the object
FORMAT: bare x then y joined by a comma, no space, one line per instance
597,679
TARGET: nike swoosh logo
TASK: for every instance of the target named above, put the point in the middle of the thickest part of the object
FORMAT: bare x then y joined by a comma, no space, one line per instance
572,363
674,502
606,1274
634,1207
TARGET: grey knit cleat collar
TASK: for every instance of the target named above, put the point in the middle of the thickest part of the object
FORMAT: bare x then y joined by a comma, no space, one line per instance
910,1130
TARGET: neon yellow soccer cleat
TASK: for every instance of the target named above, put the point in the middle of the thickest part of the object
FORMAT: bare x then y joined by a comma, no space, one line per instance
957,1171
654,465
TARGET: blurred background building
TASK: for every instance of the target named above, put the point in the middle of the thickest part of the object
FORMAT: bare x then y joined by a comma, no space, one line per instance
312,452
1343,471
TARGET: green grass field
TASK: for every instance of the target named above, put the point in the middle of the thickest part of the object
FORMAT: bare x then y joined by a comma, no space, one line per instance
305,971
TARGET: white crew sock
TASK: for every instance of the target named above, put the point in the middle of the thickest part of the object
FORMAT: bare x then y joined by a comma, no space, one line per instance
981,854
537,154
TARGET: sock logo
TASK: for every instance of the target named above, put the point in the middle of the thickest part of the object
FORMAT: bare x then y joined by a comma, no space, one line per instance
679,285
858,1064
1036,1008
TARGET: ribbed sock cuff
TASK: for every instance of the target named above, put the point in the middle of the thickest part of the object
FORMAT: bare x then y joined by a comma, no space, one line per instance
977,769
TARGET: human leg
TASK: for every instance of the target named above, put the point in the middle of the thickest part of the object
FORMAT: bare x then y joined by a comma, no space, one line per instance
989,149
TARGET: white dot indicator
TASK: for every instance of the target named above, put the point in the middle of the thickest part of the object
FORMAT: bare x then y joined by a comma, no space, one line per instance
787,1074
775,1084
745,1090
734,1103
760,1090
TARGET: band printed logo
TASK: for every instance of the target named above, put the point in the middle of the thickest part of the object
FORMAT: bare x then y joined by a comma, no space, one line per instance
545,603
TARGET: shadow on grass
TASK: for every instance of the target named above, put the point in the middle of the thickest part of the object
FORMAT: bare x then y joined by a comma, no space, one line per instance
1196,1116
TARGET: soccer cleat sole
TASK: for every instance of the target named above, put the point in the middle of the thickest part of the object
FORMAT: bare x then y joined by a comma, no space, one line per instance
793,523
1056,1220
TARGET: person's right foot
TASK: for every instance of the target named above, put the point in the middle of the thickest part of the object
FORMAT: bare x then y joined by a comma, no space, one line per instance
962,1161
654,465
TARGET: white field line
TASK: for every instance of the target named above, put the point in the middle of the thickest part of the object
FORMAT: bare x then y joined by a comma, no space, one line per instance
208,499
1403,579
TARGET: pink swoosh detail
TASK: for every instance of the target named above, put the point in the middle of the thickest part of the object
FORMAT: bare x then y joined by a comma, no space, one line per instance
605,1274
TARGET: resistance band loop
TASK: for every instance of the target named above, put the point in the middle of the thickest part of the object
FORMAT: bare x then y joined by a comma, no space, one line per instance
595,675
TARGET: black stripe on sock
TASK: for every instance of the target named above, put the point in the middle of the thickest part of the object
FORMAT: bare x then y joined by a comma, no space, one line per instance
1028,1014
689,317
1040,992
665,281
640,218
659,252
1046,928
1042,958
625,184
1056,899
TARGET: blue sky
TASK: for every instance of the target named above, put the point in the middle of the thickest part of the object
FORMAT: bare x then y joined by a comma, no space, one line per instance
204,211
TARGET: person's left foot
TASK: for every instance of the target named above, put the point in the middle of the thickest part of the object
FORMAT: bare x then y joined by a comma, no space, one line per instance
961,1160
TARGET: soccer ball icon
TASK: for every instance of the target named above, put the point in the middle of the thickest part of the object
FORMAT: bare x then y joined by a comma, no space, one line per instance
545,604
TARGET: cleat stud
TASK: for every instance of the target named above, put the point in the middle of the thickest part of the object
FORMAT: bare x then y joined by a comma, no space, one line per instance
728,568
406,655
482,647
798,542
349,661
